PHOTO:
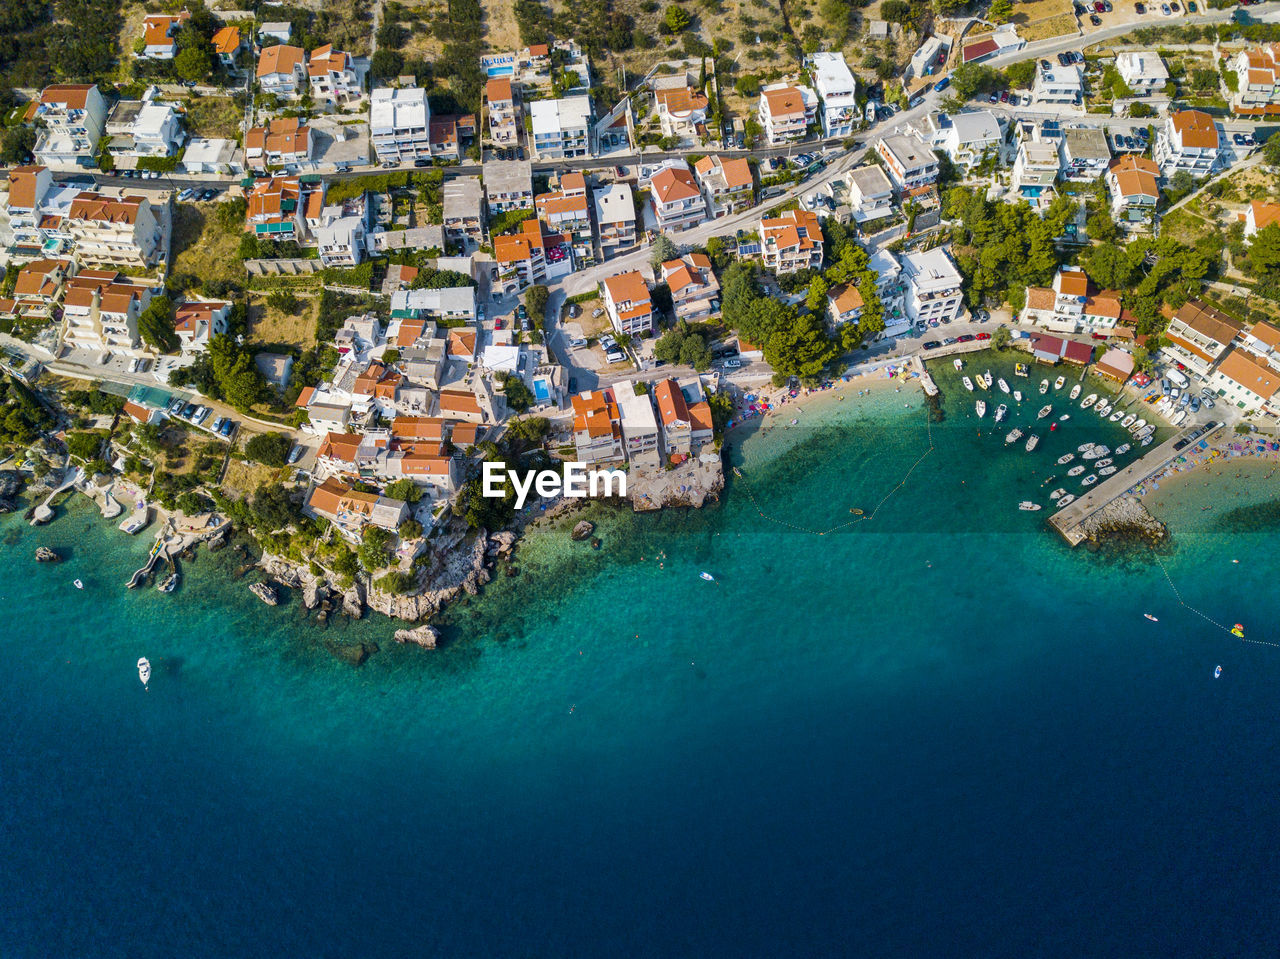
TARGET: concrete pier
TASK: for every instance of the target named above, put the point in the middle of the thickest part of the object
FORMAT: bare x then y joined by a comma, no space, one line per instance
1069,519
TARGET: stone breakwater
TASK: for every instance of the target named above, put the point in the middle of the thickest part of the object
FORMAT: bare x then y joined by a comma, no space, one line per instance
1123,518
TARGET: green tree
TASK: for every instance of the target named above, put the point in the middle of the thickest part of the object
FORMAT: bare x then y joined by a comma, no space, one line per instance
410,529
663,249
374,551
1021,75
405,490
1264,249
155,325
193,63
1271,150
519,396
896,11
17,144
269,449
970,79
677,19
535,301
85,446
816,299
1000,11
684,345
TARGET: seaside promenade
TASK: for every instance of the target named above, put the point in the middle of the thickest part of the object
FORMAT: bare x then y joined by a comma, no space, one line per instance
1070,520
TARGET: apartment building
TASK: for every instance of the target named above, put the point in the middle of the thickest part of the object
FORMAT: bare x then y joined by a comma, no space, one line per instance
909,161
1085,154
931,285
529,257
1035,173
1189,141
727,185
695,291
159,35
681,110
640,439
790,242
342,235
37,289
463,208
282,70
785,112
284,143
1257,79
615,218
1143,71
628,303
508,185
1198,335
1133,182
100,311
870,194
597,427
351,510
400,124
119,232
675,199
561,128
332,75
967,138
275,209
568,211
837,91
503,116
198,321
71,118
1058,85
1248,382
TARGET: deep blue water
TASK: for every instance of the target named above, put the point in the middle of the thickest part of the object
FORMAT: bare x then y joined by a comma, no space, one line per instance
939,732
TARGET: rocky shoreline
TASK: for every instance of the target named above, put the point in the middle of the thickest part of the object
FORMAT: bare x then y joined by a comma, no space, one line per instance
1124,518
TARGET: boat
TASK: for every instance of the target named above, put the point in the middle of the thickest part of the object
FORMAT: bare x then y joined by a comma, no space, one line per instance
968,383
1096,453
1089,401
1058,493
1180,418
1122,449
1105,462
1107,471
144,670
1027,506
1020,369
134,524
1001,412
1075,391
1138,426
1237,631
1066,500
707,576
1150,617
1116,416
1217,671
77,584
1064,417
958,363
1102,409
1128,421
1089,480
1146,441
1032,440
170,583
1060,382
1044,386
987,379
981,407
1004,386
1084,447
1013,436
1066,458
1017,395
1044,411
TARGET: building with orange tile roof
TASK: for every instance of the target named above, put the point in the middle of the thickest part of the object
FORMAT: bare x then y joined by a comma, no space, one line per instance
119,232
331,75
38,287
275,208
227,43
786,111
727,184
351,510
628,303
1133,182
27,187
675,199
673,411
460,405
100,311
522,258
1190,142
284,142
597,427
844,304
159,34
695,291
282,70
72,118
1198,335
504,116
566,210
197,321
1257,72
1259,216
681,110
1248,382
1263,341
791,241
1072,305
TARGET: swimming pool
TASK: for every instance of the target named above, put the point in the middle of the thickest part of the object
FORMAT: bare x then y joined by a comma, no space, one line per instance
541,390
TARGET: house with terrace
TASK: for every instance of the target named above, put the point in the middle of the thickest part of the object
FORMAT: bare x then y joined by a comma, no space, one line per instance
1198,335
786,111
282,70
1189,142
1133,182
1142,71
332,76
681,109
160,33
70,119
285,143
628,303
791,241
727,184
695,291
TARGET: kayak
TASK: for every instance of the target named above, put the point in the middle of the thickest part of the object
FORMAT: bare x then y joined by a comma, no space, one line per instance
1150,617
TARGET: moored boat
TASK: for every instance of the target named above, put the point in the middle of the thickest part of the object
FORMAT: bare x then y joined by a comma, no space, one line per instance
1013,435
1004,386
170,583
1075,470
1017,395
1089,480
1128,421
1058,493
1066,458
1020,369
987,378
981,407
1066,500
1001,412
1089,401
1084,447
1075,391
1104,462
1044,411
1060,382
1044,386
968,383
144,670
1146,441
1027,506
1032,440
1122,449
1138,426
958,363
1107,471
1116,416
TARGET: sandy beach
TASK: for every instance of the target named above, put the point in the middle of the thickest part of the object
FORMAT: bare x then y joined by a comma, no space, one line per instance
1228,456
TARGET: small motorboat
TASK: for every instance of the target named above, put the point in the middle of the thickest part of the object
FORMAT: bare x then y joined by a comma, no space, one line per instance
1060,382
1089,401
1058,493
1105,462
1017,395
1029,507
1013,436
707,576
1075,391
144,670
1066,500
1064,417
1053,428
1001,412
1066,458
1150,617
1004,386
1116,416
968,383
1084,447
1128,421
958,363
1020,369
1107,470
1138,427
1032,440
987,379
77,584
170,583
1217,672
1146,441
1044,411
1044,386
981,407
1122,449
1089,480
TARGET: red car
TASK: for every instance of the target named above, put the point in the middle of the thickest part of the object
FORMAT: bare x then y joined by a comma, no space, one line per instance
1098,7
983,336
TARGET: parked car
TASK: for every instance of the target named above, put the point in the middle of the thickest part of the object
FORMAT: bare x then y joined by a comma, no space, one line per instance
1095,19
422,161
1139,9
1208,402
574,311
983,336
295,454
1164,8
1004,96
188,411
932,344
1191,6
228,427
732,364
217,424
1173,5
949,341
1237,139
942,85
175,407
965,338
522,312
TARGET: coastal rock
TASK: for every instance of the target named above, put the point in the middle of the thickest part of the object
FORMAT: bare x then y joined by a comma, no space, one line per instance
314,593
353,655
424,636
265,592
1124,518
45,555
581,531
10,484
353,602
503,542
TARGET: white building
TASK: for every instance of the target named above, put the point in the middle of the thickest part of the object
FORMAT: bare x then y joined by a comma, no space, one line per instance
909,161
205,155
1258,80
332,75
791,241
931,285
615,218
837,90
786,112
400,124
70,119
1059,85
1085,154
1143,71
681,110
282,70
561,128
1246,381
628,303
508,185
463,207
1035,173
117,231
967,138
891,289
870,194
639,426
1189,141
677,203
197,321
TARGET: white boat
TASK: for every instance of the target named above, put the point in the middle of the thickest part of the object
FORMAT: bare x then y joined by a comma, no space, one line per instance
1004,387
1066,500
1128,421
1013,436
1058,493
1089,480
1122,449
1075,391
1084,447
1017,395
78,584
1044,387
1146,441
1116,416
134,524
1137,427
169,584
1001,412
987,379
981,407
1075,470
1044,411
968,383
1060,382
1089,401
1027,506
707,576
1102,409
1104,462
144,670
1064,417
1180,418
1217,671
1032,440
958,363
1066,458
1107,470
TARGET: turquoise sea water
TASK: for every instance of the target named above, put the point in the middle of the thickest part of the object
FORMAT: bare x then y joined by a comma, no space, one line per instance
935,732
